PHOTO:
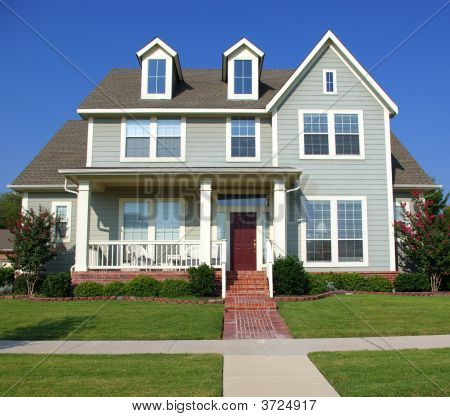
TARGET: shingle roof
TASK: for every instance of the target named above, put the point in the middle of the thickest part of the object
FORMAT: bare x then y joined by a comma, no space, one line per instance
67,150
5,240
405,169
201,88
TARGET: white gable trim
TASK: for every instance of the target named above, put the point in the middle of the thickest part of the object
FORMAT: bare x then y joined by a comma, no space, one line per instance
247,44
368,81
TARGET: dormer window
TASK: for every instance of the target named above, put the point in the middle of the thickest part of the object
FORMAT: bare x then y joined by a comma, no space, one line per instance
242,76
156,76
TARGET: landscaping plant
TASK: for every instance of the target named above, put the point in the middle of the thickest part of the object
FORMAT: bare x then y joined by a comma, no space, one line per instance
142,286
33,247
202,280
412,282
116,288
57,285
424,236
289,276
175,288
88,289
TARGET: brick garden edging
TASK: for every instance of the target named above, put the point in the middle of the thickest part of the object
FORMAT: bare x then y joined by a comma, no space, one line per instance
118,298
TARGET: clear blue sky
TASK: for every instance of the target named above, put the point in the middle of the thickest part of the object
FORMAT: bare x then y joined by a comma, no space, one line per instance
40,91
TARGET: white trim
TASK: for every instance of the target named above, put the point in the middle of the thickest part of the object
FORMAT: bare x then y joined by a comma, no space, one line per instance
205,221
244,42
334,233
245,55
24,202
177,110
368,81
82,226
89,141
159,54
331,134
324,81
390,192
279,219
416,186
257,156
153,121
68,205
275,137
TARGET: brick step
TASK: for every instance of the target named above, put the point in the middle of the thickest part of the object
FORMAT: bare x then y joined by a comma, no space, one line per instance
248,284
250,308
247,279
248,293
246,274
249,303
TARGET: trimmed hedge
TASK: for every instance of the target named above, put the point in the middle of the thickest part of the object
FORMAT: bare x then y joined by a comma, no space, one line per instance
116,288
57,285
349,282
289,276
413,282
6,276
142,286
174,288
88,289
202,279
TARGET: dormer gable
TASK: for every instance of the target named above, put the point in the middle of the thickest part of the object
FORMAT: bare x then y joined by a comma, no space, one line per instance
241,70
161,70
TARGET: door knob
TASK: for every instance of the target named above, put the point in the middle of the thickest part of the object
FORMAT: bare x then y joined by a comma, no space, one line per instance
254,243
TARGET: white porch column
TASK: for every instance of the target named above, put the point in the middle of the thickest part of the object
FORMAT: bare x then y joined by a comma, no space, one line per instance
205,221
279,218
82,231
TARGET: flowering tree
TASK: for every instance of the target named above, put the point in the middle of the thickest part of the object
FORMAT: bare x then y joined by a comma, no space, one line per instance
424,235
32,244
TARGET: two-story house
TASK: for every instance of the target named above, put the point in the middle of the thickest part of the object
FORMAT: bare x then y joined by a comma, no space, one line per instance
171,167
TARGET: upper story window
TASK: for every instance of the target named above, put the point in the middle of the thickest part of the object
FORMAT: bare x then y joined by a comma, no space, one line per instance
156,76
243,139
331,134
169,138
329,82
242,76
137,139
62,213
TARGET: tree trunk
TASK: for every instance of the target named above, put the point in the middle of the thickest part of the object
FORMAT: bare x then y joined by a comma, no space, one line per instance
435,281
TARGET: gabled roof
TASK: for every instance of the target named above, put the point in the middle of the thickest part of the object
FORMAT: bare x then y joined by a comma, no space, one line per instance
242,42
158,42
331,39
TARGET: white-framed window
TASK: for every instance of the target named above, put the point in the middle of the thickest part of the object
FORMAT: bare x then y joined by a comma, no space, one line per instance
329,81
153,139
62,210
242,76
398,211
243,139
331,134
334,231
145,219
156,76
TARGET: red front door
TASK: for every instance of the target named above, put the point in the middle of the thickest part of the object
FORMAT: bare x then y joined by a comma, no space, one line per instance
243,241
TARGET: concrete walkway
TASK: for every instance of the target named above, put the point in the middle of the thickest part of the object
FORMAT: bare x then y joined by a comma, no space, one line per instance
265,367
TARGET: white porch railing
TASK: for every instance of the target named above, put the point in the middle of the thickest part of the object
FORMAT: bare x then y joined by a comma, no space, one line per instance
156,254
269,265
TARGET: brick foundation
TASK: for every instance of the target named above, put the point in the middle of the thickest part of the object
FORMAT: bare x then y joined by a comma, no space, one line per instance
105,277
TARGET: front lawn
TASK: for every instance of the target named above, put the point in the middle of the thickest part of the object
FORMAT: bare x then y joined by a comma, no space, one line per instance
108,320
367,315
111,375
404,373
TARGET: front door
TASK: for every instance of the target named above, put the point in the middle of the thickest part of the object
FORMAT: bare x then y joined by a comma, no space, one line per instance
243,241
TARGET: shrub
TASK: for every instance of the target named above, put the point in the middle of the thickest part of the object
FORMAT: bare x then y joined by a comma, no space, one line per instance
6,276
201,280
88,289
317,284
289,276
413,282
142,286
348,281
57,285
175,288
116,288
20,284
376,283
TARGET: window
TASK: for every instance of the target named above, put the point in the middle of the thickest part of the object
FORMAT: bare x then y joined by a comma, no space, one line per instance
135,221
346,134
220,220
315,133
168,138
331,134
167,221
242,76
243,137
318,231
398,210
156,76
137,139
350,234
62,213
329,82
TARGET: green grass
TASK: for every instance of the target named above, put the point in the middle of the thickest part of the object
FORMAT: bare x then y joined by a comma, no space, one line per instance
108,320
404,373
111,375
367,315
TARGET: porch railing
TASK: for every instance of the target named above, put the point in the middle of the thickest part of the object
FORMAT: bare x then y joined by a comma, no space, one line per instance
156,254
269,265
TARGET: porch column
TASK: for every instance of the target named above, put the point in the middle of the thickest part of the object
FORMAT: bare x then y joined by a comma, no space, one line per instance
279,217
82,231
205,221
